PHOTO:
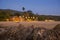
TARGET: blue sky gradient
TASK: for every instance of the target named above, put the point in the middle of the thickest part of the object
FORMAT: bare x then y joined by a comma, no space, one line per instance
42,7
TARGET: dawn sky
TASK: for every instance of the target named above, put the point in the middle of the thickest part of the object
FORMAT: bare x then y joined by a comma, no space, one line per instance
42,7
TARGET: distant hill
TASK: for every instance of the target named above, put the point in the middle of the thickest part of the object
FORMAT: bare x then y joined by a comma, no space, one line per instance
10,13
49,17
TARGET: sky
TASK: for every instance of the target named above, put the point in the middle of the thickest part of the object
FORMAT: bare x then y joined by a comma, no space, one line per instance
42,7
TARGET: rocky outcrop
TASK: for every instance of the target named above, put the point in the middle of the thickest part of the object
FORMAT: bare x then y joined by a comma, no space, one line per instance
29,33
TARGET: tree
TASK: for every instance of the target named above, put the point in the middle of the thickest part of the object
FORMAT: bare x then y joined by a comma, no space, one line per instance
30,13
16,14
23,8
41,18
3,16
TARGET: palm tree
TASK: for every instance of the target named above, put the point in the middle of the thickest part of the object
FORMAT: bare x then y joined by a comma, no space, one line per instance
23,8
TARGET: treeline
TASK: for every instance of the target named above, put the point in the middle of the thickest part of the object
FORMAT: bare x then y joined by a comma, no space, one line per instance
7,13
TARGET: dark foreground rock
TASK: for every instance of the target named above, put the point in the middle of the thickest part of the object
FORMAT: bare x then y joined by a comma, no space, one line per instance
29,33
57,30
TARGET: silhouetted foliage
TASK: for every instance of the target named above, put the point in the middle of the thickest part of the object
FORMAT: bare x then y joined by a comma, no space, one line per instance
23,8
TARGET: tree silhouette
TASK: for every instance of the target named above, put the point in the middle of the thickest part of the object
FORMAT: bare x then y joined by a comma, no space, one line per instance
23,8
17,14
